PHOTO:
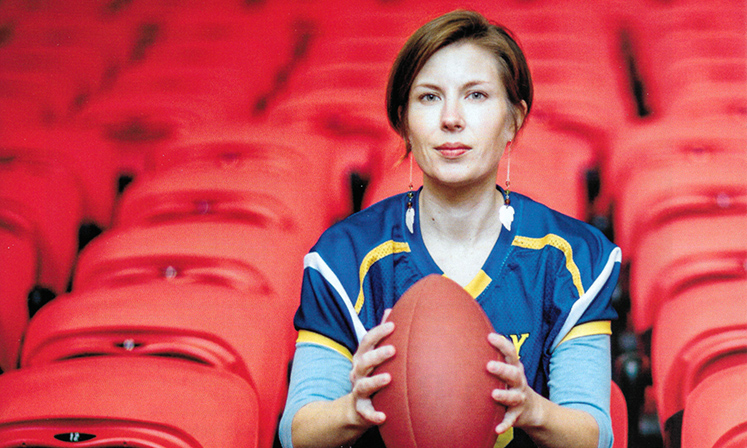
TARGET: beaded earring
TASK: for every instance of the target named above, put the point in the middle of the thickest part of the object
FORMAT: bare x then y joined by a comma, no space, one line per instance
506,212
410,212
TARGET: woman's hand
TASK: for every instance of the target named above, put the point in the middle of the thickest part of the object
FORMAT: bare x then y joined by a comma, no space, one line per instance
521,402
366,358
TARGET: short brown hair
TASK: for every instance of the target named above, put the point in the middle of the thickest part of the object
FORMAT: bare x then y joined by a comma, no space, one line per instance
447,29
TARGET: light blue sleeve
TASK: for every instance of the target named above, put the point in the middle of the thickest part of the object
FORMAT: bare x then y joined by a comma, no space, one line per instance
580,377
318,373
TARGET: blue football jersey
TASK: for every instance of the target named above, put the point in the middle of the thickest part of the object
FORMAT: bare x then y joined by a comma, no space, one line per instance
550,278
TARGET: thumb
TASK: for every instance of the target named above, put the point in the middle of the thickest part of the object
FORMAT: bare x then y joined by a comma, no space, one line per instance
387,312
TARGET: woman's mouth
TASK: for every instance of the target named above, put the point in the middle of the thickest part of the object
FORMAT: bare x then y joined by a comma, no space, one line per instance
452,150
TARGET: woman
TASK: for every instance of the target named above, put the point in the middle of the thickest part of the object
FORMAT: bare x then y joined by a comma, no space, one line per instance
458,94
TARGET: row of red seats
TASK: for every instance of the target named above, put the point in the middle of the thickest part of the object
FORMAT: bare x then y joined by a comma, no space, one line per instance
675,185
200,265
679,190
175,68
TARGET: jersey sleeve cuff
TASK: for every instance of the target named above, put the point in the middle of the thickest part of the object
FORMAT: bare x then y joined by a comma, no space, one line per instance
588,329
310,337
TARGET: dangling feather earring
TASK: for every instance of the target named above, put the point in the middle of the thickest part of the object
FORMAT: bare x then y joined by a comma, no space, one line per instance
506,212
410,212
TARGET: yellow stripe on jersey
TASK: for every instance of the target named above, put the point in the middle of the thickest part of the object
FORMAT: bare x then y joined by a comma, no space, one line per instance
377,253
478,284
324,341
588,329
504,439
558,243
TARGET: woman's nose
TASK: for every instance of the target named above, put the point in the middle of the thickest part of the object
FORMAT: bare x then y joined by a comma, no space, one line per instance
451,117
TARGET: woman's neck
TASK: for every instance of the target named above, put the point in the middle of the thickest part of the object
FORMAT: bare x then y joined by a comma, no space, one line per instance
460,228
460,214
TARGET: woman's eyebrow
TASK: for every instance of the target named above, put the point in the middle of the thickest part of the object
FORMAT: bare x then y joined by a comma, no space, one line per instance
426,85
475,83
467,85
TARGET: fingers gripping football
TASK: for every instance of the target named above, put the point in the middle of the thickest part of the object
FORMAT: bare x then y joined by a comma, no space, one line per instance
517,397
366,358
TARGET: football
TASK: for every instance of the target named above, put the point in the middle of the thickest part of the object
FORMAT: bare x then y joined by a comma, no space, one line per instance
440,393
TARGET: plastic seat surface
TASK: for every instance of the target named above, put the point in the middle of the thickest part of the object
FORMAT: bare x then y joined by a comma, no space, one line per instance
121,401
701,99
355,133
716,412
658,143
686,76
697,333
681,253
263,187
51,203
668,33
652,196
287,161
182,193
244,257
68,155
619,416
18,273
249,334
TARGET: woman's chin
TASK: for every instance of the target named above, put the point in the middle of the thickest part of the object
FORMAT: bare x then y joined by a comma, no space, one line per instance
459,179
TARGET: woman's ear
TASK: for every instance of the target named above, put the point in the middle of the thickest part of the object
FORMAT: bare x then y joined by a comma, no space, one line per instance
522,109
518,115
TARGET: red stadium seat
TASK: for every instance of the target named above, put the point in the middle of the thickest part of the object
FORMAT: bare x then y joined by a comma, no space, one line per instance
337,91
669,34
121,401
547,165
659,143
686,186
573,54
701,99
50,201
550,165
681,253
332,49
697,333
247,333
187,65
356,133
71,54
619,416
18,275
574,84
192,190
151,108
357,63
716,412
393,180
70,155
242,256
298,168
698,77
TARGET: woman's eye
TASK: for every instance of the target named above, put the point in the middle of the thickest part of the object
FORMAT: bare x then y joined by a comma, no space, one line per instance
476,95
427,97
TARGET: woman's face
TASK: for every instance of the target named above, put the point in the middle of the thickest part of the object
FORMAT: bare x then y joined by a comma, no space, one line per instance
458,116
